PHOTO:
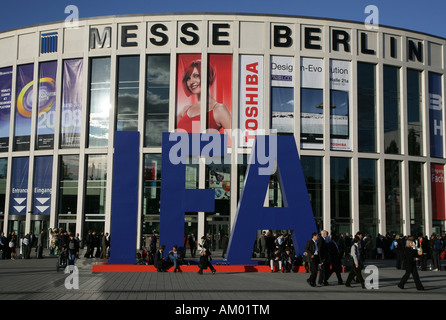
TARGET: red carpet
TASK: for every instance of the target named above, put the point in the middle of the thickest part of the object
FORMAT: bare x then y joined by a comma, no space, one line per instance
193,268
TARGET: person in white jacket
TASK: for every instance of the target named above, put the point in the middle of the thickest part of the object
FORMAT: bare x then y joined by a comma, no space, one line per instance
355,270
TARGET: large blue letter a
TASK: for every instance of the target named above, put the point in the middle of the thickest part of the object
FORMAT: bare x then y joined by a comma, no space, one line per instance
252,215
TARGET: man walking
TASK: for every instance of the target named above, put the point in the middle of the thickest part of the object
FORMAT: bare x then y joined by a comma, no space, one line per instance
312,252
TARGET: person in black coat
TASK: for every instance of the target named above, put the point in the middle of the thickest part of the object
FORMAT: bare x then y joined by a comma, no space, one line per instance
159,261
312,253
410,257
335,259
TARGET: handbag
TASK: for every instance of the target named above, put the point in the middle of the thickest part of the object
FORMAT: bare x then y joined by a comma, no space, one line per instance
349,261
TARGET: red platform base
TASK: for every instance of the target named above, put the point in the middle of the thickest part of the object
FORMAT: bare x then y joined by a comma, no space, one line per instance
192,268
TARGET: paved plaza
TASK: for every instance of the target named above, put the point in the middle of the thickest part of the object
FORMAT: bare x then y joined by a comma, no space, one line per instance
38,279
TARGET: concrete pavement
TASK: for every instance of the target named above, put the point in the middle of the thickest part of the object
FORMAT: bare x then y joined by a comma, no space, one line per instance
37,279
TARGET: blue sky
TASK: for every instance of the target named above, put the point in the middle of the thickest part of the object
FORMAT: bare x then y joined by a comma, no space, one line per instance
427,16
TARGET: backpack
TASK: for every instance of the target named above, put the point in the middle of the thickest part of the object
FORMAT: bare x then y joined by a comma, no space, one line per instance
438,245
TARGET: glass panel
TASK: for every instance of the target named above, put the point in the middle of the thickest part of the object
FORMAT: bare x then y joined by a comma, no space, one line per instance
152,184
128,93
312,118
367,195
99,102
366,108
414,110
282,109
312,169
96,184
340,190
68,183
157,99
392,130
393,197
416,198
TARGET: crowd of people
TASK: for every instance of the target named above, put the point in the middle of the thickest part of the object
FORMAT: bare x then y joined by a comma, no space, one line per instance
175,257
326,254
96,245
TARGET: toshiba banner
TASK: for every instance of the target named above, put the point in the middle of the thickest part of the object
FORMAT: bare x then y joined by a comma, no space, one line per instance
251,98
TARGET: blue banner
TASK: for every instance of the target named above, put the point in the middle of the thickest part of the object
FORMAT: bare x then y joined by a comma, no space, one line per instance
43,173
46,105
24,103
19,192
5,106
435,115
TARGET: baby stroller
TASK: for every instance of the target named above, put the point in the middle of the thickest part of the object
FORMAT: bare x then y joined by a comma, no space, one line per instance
62,260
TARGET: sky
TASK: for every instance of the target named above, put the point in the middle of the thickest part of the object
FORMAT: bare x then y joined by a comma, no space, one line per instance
427,16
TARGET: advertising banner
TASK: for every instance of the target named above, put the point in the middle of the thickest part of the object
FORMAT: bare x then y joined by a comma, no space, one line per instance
24,103
282,71
5,106
46,105
437,186
221,183
251,99
188,93
312,103
282,94
19,191
219,92
340,83
43,172
435,115
71,103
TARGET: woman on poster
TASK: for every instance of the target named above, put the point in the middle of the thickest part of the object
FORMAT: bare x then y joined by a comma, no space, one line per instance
219,115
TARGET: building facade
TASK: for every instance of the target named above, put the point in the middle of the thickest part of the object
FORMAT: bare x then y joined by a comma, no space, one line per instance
364,104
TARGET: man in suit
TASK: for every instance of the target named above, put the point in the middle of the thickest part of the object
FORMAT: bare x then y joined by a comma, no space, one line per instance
335,259
192,244
159,259
40,242
3,245
312,252
324,257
